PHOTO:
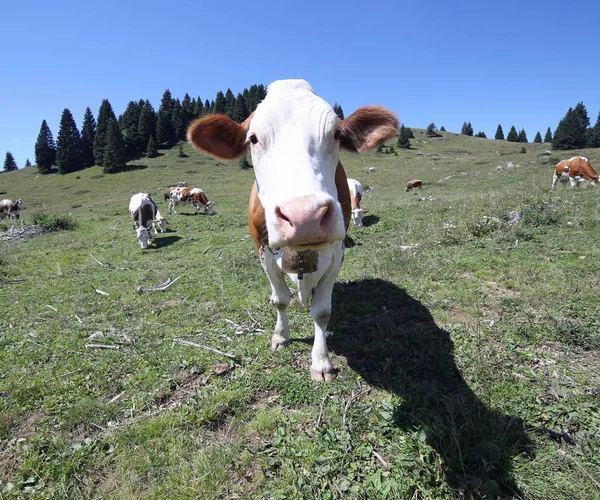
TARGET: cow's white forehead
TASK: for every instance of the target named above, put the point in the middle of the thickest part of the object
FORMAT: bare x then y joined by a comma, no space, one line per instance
293,103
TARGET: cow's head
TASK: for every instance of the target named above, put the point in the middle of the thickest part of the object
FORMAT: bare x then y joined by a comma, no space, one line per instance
295,137
209,209
357,216
20,204
162,223
143,236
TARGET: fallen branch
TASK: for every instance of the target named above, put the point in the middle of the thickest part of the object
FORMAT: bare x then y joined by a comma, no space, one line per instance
96,260
53,308
353,397
159,288
200,346
102,346
99,291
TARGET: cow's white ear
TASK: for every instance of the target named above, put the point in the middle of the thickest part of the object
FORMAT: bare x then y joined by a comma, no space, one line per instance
219,136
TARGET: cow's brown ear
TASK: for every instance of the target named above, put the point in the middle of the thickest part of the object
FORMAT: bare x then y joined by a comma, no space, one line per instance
367,128
219,136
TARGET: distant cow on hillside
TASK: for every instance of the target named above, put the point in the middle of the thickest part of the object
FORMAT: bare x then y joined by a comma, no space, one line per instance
356,192
146,216
575,169
195,196
414,184
10,207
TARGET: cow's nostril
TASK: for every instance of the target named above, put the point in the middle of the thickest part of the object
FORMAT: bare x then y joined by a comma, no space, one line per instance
326,214
279,213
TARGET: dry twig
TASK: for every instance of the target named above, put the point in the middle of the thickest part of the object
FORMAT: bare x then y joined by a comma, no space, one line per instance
201,346
159,288
102,346
96,260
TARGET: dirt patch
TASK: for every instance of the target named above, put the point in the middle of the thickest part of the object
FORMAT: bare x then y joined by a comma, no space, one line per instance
10,448
264,398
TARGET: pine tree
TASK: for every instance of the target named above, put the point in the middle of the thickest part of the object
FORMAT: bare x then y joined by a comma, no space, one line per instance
128,124
338,111
240,111
229,103
595,134
409,133
88,132
548,136
481,134
9,162
512,135
442,129
68,145
114,157
199,108
499,133
431,130
219,105
571,132
178,122
403,138
146,126
45,149
538,138
165,132
187,112
522,137
105,116
467,129
27,163
152,151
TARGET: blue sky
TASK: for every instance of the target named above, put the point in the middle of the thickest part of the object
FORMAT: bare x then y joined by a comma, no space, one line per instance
507,62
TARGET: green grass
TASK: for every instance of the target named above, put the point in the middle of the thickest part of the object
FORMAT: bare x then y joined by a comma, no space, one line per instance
465,326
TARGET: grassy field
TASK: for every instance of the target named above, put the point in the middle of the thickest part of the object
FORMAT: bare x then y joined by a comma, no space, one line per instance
466,326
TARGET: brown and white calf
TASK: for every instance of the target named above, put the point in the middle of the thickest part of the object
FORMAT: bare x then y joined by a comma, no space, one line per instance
299,207
575,169
10,207
413,184
146,216
356,192
195,196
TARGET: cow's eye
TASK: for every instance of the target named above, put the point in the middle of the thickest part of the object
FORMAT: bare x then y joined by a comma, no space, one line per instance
254,139
337,135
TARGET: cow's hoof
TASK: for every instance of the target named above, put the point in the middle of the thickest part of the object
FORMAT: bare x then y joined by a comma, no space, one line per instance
278,343
323,376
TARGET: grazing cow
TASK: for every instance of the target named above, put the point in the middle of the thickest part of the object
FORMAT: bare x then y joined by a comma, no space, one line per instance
299,207
356,192
188,194
413,184
10,207
575,169
146,216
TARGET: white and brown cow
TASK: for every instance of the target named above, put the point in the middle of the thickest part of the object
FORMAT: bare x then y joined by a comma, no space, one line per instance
575,169
299,207
416,183
195,196
146,216
11,208
356,192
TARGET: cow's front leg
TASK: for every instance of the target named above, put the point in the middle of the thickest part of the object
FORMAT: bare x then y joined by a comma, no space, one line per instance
280,298
322,368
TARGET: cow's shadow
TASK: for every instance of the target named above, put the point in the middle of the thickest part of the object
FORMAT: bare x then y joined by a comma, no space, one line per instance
164,241
370,220
392,341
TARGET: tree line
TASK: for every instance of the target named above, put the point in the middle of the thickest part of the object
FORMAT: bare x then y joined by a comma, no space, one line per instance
109,141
